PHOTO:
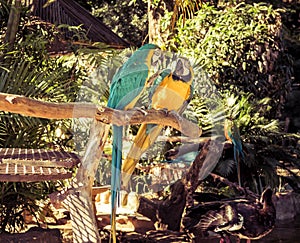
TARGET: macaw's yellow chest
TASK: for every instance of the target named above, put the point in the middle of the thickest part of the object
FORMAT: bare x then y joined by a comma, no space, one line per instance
171,94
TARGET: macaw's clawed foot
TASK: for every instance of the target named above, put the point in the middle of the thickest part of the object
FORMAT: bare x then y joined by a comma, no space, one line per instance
175,114
172,112
140,109
165,110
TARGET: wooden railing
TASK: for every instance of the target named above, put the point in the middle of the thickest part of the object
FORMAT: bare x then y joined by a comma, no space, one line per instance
26,165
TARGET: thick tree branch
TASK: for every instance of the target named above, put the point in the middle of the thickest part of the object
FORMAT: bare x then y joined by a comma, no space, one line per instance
138,116
30,107
36,108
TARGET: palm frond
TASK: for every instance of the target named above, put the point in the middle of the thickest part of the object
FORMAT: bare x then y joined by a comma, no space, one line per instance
184,9
36,81
225,167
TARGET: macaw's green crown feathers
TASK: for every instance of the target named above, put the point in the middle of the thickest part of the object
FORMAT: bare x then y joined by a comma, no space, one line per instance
149,46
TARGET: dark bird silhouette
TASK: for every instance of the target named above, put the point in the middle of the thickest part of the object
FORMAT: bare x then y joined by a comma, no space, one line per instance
243,218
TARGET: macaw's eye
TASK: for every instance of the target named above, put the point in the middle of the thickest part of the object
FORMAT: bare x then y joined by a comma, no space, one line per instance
183,69
156,57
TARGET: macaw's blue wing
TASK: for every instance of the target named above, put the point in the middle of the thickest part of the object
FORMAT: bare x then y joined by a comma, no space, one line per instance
126,88
171,93
132,77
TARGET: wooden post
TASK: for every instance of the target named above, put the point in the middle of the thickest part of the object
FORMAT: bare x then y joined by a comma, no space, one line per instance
171,210
78,198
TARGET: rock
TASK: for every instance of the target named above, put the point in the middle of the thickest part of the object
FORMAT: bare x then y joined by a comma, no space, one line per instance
133,237
35,234
287,205
167,236
136,223
142,224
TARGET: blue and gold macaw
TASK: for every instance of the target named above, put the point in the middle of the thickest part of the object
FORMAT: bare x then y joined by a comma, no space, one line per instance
173,92
127,86
232,134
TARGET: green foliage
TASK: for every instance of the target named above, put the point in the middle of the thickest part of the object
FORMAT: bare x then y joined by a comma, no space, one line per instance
208,112
127,19
29,70
4,12
249,115
36,77
19,196
45,80
76,33
240,47
184,9
263,142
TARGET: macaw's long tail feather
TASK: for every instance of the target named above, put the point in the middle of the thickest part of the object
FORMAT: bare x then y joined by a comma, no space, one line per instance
115,175
145,137
238,154
238,166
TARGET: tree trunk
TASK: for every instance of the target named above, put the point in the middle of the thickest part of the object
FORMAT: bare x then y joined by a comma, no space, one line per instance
167,213
13,24
155,13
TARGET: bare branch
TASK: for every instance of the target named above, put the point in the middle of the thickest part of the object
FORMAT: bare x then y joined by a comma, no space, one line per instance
243,190
30,107
136,116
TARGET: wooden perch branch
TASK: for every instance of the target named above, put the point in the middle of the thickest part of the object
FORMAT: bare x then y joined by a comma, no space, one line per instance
30,107
138,116
36,108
